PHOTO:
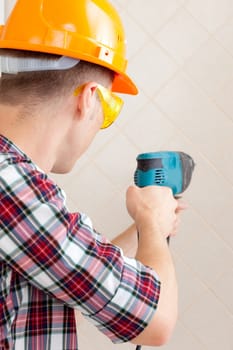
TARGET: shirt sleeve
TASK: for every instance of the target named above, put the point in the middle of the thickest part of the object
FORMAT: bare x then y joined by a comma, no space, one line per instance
60,253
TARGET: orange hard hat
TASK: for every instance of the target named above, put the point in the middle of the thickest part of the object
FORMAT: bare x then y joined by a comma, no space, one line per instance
89,30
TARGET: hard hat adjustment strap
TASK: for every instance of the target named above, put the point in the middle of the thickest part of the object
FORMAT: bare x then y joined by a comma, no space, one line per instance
14,65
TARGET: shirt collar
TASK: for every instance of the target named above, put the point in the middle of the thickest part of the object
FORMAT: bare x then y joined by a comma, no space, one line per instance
7,146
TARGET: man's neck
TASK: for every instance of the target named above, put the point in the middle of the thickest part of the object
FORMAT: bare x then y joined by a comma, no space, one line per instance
31,135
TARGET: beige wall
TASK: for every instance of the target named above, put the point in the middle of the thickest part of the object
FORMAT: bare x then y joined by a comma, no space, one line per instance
8,4
181,55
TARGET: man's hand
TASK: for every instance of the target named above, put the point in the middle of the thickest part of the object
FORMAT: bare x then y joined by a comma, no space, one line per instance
153,206
181,205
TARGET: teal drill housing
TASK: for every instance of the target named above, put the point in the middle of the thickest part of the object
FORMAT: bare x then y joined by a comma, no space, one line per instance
166,168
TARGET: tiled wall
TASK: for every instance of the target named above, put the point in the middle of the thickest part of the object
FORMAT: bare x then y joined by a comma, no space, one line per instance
2,12
181,55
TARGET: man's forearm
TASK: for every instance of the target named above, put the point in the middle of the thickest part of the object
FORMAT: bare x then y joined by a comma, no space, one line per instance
153,251
127,241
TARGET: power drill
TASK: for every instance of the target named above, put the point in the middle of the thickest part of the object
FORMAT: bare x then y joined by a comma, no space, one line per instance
167,168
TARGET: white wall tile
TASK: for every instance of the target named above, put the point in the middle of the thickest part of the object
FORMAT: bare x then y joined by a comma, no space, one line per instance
225,36
149,130
211,196
133,30
101,140
191,286
182,36
152,14
211,13
86,190
2,12
113,218
210,322
120,161
204,67
182,339
9,4
224,99
131,109
152,68
203,250
223,288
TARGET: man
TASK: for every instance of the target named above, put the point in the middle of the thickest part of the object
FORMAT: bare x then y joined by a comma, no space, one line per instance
60,60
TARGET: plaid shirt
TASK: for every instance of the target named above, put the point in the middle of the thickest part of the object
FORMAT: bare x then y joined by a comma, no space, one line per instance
52,262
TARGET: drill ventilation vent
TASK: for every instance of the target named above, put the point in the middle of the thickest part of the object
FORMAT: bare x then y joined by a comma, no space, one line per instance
159,177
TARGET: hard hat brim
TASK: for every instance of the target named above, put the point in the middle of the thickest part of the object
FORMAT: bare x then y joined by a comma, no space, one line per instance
123,84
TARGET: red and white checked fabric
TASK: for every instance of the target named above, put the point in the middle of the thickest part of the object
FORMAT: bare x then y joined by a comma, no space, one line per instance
52,262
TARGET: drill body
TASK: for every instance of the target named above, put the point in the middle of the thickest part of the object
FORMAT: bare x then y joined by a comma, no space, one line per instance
166,168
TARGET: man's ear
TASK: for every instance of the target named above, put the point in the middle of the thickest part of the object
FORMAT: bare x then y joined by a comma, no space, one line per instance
86,99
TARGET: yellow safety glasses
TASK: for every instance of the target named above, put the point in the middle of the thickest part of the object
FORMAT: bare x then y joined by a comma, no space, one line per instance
111,104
